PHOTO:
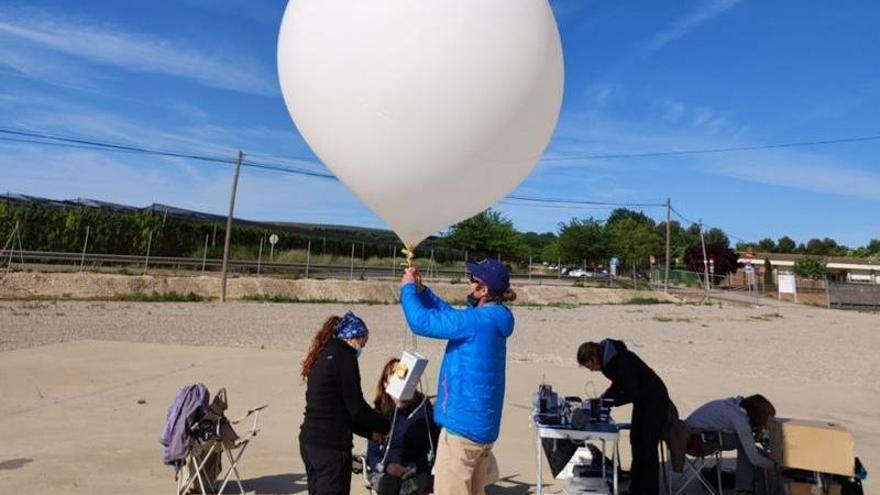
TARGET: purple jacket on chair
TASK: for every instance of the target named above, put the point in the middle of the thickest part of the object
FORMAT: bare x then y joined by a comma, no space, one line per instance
190,404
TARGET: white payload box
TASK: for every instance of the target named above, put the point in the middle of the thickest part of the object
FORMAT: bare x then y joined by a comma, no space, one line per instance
403,383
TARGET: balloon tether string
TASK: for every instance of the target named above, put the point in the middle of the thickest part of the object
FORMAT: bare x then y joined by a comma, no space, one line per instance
409,252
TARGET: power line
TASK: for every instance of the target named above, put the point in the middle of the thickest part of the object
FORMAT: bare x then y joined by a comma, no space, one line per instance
30,137
53,140
705,151
584,202
702,224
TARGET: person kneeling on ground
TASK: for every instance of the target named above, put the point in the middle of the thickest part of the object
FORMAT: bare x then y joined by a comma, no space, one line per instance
743,422
335,405
632,381
470,392
402,464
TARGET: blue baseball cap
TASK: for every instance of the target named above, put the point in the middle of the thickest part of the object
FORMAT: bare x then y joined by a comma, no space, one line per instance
491,272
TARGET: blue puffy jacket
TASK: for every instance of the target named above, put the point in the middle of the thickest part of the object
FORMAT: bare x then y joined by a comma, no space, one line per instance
470,391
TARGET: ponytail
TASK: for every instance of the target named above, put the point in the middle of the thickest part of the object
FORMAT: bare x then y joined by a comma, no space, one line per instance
322,338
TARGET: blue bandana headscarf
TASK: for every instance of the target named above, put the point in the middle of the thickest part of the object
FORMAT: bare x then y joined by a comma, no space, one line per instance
351,327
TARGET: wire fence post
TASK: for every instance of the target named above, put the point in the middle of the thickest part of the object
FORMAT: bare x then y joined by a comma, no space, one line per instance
10,243
260,255
149,247
827,293
351,267
205,254
308,257
82,259
393,261
668,244
559,268
530,268
465,263
705,259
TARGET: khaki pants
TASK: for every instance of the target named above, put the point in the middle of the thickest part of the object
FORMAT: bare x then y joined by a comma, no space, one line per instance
462,466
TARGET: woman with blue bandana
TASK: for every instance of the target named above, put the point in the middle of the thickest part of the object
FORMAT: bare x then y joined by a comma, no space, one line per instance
335,405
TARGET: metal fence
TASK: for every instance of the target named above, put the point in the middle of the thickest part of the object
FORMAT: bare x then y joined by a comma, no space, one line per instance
854,296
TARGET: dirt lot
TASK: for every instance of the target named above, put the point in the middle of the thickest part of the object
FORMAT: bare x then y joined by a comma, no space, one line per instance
72,376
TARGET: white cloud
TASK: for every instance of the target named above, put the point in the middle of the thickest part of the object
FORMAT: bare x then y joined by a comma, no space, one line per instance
104,44
806,170
672,110
687,23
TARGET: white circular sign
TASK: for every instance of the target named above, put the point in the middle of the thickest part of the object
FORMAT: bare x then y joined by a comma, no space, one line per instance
273,239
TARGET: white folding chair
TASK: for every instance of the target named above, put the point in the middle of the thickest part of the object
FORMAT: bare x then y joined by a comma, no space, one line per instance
704,449
205,451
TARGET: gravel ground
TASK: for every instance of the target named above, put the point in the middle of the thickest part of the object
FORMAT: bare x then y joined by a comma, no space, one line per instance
787,342
812,363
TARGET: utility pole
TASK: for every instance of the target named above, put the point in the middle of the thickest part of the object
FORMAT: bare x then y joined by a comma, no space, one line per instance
82,260
229,226
668,244
705,260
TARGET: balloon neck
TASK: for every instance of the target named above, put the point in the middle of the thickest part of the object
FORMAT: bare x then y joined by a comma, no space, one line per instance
410,253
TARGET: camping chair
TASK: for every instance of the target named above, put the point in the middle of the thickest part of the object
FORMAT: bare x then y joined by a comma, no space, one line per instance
211,437
704,446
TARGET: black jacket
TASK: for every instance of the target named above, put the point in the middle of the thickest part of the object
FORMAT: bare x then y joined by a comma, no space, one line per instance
335,405
632,381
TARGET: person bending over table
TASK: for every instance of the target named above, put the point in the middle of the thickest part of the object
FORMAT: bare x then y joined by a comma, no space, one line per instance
633,382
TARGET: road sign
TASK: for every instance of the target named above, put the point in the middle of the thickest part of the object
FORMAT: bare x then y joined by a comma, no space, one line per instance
273,239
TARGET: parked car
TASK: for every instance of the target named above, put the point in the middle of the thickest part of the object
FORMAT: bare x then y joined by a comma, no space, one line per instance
576,273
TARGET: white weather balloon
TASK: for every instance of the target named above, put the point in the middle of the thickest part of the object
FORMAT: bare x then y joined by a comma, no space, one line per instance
430,111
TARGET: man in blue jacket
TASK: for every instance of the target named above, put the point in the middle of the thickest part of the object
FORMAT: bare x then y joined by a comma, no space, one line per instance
470,392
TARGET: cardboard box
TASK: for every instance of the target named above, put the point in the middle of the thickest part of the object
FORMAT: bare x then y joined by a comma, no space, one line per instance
405,380
799,488
812,446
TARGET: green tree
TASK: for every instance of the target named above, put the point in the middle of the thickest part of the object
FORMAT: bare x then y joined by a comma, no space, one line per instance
812,268
583,240
634,241
537,242
825,247
486,236
786,245
768,272
551,252
766,245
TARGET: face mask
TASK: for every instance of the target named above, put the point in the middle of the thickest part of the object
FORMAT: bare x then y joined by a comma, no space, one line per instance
357,350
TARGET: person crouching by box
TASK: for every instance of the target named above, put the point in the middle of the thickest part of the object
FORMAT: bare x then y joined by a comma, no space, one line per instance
742,422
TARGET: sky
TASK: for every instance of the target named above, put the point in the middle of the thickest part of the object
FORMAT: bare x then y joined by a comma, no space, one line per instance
641,76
